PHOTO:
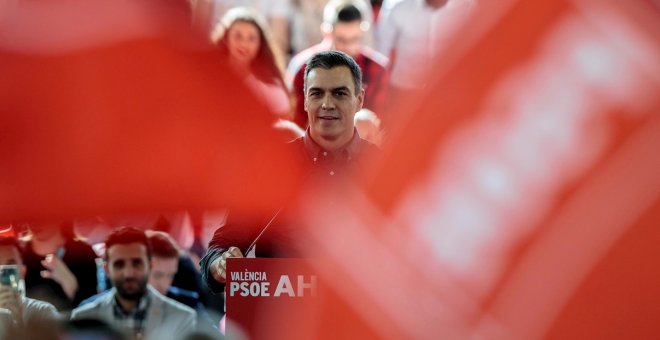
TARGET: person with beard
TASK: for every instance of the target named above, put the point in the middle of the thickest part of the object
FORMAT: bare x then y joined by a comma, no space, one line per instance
132,305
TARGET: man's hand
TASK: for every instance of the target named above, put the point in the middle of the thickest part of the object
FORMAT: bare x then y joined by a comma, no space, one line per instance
10,299
219,267
60,273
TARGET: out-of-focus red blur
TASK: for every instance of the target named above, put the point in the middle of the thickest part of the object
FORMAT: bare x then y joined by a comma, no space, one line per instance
131,111
520,188
517,198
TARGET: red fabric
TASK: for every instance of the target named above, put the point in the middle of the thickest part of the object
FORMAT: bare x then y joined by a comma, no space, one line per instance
137,121
504,186
7,231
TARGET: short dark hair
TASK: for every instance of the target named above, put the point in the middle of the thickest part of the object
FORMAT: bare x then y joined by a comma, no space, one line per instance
349,13
332,8
331,59
162,244
127,235
8,241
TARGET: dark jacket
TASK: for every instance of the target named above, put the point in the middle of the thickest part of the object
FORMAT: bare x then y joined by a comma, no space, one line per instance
81,260
283,235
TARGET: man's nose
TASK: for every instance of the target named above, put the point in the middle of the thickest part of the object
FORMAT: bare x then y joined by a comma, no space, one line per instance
327,103
128,271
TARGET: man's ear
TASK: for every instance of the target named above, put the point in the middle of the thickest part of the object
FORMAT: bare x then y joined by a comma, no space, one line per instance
22,271
305,105
361,97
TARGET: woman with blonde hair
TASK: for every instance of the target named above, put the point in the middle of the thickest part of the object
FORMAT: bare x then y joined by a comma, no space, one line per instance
243,37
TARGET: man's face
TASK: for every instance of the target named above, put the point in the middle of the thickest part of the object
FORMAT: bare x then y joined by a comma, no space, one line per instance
162,273
347,37
9,255
331,102
128,269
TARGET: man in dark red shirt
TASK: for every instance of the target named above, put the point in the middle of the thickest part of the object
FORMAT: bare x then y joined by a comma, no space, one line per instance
343,29
331,151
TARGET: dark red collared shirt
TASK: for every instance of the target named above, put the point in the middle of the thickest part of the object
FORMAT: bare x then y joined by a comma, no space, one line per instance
322,163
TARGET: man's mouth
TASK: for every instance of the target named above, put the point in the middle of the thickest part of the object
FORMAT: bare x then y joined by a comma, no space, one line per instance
328,118
130,283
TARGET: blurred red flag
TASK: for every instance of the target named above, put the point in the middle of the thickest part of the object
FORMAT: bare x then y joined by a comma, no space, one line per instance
518,189
507,182
116,107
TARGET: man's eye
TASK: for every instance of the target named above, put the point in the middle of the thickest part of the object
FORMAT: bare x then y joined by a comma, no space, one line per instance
340,93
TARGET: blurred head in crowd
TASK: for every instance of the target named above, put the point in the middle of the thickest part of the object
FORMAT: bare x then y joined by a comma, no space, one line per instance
243,36
344,21
45,231
333,94
10,253
164,260
128,262
11,305
436,3
368,126
288,129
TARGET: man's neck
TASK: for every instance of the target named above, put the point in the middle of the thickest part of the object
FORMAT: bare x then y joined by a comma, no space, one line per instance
127,305
332,145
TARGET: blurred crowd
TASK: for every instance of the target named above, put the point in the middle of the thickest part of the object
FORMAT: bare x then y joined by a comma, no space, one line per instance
267,44
62,274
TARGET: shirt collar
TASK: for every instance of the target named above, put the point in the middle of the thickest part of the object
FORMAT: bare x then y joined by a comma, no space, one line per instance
140,309
349,151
